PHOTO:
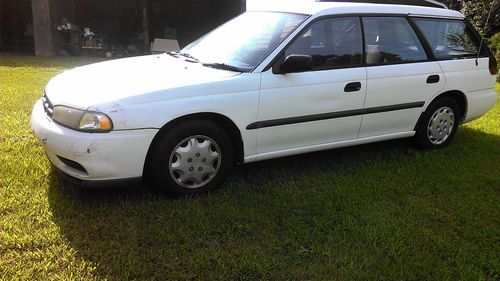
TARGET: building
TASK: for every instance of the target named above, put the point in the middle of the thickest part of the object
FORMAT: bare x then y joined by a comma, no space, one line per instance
41,26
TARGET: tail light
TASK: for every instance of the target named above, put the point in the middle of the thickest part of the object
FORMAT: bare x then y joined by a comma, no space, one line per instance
493,66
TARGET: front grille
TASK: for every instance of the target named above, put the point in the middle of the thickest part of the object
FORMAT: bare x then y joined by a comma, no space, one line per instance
47,106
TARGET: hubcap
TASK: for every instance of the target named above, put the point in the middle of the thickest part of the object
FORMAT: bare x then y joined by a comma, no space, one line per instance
440,125
195,161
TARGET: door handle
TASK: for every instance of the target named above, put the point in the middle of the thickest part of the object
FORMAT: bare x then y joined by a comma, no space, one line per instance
352,87
432,79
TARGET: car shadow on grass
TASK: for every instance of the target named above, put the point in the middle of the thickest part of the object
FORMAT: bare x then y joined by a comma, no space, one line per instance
130,233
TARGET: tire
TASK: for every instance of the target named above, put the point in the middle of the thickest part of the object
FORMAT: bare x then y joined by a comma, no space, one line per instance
191,158
438,124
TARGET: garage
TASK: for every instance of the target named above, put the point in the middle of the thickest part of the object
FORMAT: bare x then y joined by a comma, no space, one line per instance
96,27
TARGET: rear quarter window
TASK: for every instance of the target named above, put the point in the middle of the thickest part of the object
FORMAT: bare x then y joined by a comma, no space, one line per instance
448,39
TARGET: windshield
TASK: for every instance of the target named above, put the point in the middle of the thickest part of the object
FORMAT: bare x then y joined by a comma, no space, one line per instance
245,41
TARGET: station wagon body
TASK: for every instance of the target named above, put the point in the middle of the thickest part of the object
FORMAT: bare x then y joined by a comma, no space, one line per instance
292,79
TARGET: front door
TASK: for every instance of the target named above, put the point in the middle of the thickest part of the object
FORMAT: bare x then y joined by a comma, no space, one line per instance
304,111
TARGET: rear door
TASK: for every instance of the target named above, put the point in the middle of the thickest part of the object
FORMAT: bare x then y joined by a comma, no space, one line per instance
401,77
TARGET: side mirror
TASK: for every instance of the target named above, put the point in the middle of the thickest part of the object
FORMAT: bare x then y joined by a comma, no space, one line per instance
294,63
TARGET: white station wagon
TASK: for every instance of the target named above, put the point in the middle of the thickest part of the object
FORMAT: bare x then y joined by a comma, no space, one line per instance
289,80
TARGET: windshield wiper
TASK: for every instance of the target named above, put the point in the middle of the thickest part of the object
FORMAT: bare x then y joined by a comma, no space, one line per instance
224,66
174,54
216,65
189,57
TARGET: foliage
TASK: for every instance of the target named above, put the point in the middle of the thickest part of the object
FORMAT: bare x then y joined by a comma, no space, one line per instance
382,211
495,43
477,13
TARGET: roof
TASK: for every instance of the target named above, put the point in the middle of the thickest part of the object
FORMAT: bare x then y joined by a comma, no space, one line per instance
311,7
423,3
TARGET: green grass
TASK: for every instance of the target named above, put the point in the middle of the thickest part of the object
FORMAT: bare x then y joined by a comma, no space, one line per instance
383,211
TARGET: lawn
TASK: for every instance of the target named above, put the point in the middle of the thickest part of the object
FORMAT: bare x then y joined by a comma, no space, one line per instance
383,211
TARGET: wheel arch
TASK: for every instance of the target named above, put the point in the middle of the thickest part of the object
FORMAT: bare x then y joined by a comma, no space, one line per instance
225,122
457,95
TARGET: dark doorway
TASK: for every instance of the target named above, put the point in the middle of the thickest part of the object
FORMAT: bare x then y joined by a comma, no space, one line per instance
16,26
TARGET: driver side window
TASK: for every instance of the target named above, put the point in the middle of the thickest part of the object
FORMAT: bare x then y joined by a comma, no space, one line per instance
332,43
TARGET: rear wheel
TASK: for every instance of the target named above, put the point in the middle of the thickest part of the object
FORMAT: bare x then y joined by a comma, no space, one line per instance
439,124
191,158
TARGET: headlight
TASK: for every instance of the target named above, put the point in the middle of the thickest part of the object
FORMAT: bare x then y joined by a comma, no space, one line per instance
82,120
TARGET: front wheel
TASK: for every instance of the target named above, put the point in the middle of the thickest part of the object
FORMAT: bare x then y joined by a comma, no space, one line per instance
439,124
191,158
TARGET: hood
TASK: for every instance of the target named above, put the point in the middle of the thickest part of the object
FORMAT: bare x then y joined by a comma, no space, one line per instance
111,81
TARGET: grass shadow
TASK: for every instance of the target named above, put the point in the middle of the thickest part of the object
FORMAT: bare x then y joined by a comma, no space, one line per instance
249,228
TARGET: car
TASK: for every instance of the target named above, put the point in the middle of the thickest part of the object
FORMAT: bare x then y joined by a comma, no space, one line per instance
271,83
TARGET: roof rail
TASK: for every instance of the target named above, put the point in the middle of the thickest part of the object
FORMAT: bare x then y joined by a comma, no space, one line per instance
425,3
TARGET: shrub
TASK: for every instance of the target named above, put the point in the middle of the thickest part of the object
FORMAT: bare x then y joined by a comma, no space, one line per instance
494,44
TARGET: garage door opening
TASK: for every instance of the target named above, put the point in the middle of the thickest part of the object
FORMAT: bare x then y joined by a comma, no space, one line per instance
16,26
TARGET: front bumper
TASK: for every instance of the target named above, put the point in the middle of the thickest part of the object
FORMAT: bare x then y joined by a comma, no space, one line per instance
104,156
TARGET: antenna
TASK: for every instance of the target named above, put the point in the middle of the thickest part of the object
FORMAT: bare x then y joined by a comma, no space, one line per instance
482,38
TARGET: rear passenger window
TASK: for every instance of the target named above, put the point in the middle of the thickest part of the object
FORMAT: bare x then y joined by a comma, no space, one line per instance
332,43
391,40
448,38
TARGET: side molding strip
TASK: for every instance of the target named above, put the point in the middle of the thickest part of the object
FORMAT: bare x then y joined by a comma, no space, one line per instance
332,115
